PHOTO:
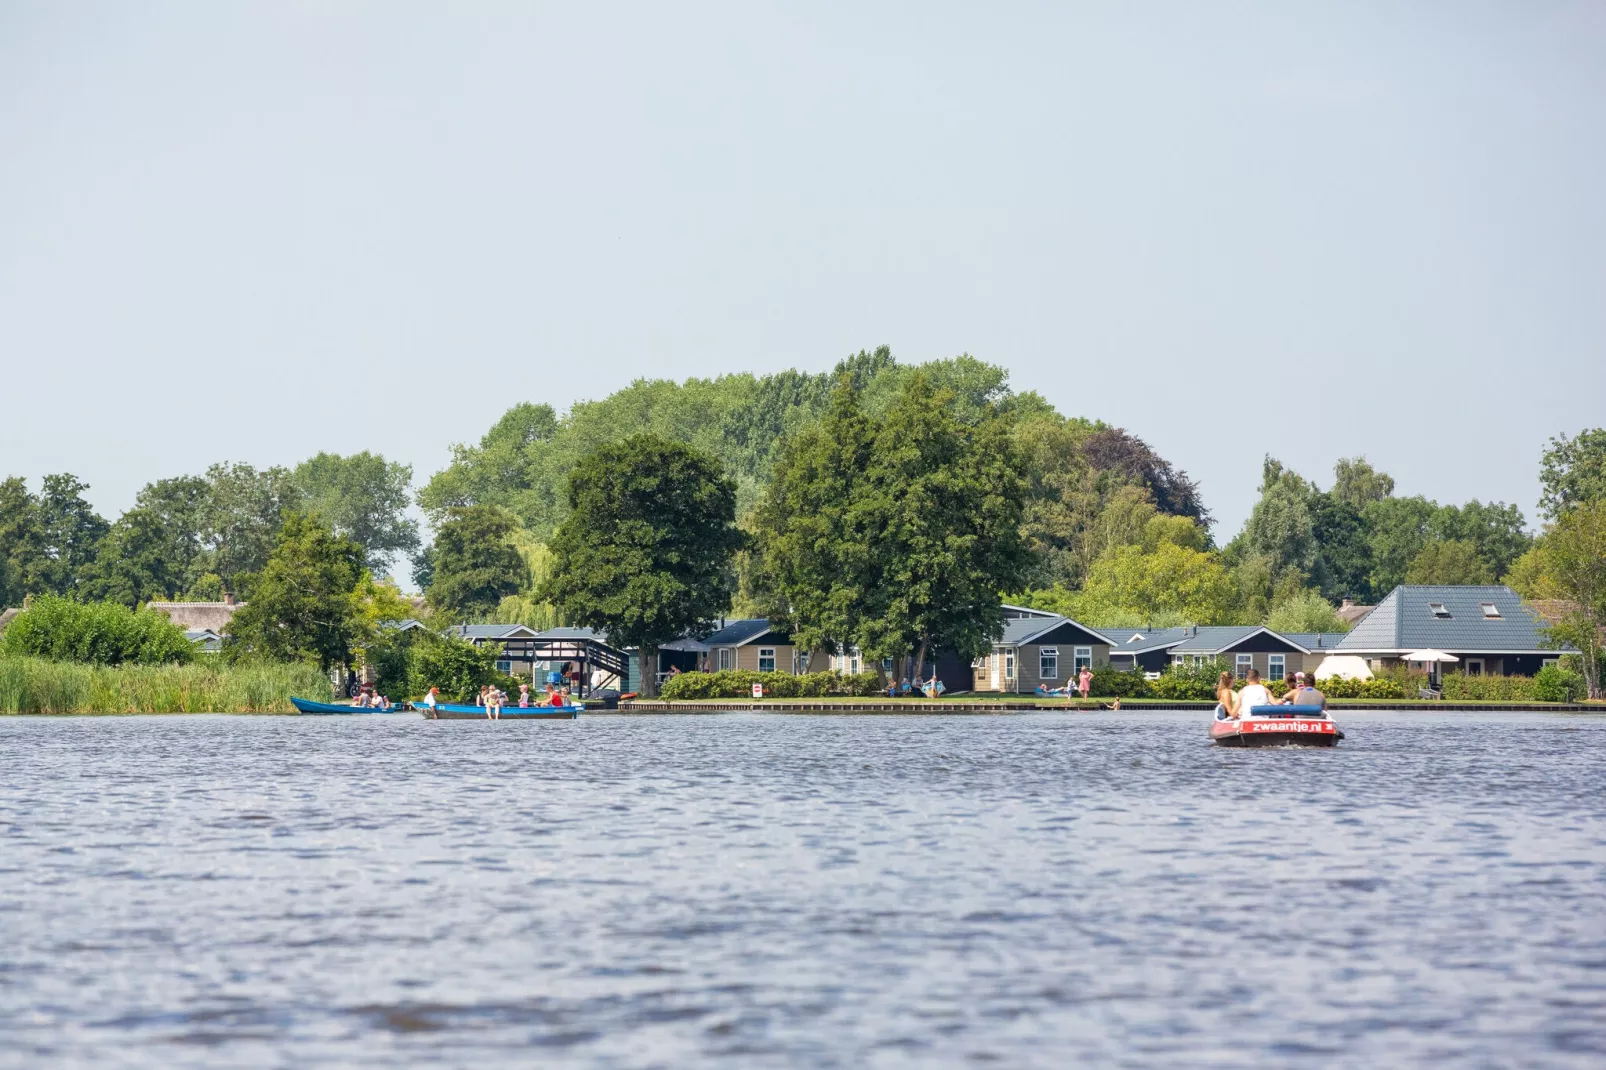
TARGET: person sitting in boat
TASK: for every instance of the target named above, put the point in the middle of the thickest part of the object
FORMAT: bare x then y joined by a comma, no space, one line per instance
554,697
361,701
1305,693
379,702
429,699
1226,698
493,704
1254,694
524,696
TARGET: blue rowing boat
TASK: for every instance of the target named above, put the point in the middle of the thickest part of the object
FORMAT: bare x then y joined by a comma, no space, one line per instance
304,705
450,712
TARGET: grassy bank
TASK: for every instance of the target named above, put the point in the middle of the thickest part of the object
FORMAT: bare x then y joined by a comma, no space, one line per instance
32,685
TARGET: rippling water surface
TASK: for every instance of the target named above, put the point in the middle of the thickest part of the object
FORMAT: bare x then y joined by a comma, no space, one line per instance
800,891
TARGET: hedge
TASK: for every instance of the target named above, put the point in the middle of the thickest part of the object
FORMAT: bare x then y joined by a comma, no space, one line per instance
738,683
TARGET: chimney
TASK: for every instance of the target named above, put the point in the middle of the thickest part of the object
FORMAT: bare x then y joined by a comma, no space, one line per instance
228,599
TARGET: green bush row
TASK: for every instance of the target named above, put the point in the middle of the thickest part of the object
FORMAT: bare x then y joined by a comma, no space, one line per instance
1554,683
738,683
36,685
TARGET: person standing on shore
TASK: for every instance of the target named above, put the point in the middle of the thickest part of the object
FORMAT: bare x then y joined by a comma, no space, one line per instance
1084,681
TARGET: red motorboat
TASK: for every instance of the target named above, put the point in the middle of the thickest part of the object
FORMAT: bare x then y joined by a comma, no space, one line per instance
1276,726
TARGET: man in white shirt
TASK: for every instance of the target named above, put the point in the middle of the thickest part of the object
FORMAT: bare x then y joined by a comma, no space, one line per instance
1254,694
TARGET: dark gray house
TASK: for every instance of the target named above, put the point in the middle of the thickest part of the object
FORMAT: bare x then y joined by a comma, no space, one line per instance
1488,628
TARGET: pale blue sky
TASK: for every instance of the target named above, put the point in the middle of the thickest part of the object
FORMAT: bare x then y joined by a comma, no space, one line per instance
252,232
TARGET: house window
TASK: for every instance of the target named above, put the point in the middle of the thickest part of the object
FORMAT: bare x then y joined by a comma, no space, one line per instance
504,667
727,658
1199,660
1474,666
1548,661
1009,664
1048,662
1275,665
979,663
1176,659
853,665
1084,658
1490,610
1244,662
1438,610
766,659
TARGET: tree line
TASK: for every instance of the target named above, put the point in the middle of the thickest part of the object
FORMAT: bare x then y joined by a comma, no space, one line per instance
882,506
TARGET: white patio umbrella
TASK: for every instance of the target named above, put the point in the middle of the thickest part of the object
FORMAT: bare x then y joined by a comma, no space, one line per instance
1429,656
1343,666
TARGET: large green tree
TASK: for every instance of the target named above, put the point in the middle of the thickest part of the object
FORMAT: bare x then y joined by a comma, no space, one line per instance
647,548
71,530
1357,484
306,602
1574,553
814,565
22,543
942,500
1572,471
896,536
243,513
365,498
1448,561
473,563
136,562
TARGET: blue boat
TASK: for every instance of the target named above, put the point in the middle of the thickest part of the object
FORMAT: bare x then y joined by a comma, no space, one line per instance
304,705
451,712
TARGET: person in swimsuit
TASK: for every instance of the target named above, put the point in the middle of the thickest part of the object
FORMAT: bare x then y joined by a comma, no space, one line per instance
524,696
493,704
1226,698
429,699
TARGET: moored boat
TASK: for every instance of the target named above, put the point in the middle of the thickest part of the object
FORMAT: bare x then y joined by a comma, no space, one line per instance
452,712
304,705
1276,726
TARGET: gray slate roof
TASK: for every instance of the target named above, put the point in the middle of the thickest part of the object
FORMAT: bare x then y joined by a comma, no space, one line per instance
1139,640
1403,622
488,631
738,632
1024,630
1315,641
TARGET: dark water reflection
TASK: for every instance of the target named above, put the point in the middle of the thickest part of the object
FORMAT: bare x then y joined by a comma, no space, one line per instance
810,891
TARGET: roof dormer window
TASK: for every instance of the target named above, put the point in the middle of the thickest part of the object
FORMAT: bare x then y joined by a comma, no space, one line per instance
1490,610
1438,610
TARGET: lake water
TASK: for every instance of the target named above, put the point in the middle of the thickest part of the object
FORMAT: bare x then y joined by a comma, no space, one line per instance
754,891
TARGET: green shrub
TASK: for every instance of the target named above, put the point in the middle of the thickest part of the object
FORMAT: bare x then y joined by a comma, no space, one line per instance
456,666
1188,683
1110,682
1377,687
95,633
1557,684
35,685
1465,688
738,683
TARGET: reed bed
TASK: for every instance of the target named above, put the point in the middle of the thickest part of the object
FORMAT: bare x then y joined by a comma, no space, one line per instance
33,685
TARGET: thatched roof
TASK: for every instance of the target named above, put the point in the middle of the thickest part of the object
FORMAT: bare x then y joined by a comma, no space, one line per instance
212,616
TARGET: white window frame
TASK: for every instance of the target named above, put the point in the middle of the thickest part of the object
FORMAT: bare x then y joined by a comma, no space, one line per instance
766,653
504,666
1048,663
727,658
1276,666
1009,663
1081,658
1176,659
1480,663
1490,611
1549,661
1199,660
1241,667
